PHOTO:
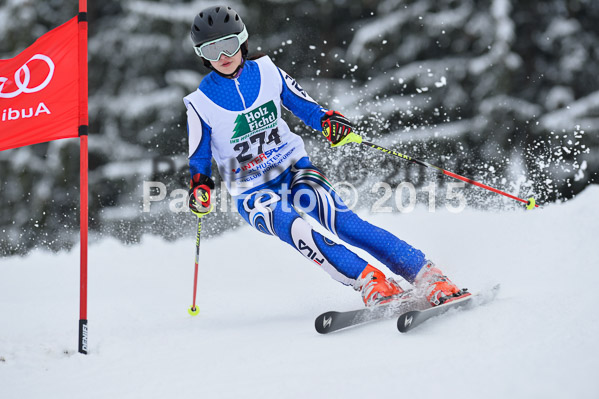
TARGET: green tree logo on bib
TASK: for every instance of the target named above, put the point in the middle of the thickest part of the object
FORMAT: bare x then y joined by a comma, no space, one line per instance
259,119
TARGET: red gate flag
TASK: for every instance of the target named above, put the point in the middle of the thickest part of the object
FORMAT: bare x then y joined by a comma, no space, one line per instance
43,97
39,90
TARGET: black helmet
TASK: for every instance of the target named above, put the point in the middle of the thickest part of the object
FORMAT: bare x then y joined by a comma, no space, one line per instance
214,22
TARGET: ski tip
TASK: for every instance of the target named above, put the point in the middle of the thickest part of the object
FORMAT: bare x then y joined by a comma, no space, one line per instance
324,322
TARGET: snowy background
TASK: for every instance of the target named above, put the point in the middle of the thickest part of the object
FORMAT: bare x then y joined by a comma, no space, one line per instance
255,337
502,91
505,92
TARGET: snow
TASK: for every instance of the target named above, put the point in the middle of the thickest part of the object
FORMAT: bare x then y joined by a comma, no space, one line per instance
254,336
580,112
375,30
175,12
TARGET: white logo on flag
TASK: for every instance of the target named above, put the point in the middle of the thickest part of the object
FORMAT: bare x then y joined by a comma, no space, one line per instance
22,85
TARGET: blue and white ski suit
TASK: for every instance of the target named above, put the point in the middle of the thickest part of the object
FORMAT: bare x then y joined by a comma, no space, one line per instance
267,170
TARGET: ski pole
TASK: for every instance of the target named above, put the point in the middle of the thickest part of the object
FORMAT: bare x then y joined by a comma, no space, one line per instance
194,310
530,203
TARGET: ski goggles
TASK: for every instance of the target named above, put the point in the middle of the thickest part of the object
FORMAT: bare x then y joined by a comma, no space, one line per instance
228,45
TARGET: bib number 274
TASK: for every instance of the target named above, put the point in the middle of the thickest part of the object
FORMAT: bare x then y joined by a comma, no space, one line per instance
245,147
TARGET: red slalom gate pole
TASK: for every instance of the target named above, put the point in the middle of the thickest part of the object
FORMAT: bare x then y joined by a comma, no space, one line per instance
83,174
530,203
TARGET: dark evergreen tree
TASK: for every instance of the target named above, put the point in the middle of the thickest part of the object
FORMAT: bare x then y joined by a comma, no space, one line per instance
499,90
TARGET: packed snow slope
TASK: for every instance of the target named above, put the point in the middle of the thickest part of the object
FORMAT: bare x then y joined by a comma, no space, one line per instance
255,338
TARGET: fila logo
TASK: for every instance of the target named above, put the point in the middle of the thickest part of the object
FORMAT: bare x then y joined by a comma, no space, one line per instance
311,253
408,321
326,322
25,73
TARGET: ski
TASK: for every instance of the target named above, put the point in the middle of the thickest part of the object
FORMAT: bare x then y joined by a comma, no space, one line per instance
413,318
329,322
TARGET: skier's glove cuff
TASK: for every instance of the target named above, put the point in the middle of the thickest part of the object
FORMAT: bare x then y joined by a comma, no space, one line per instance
200,188
338,129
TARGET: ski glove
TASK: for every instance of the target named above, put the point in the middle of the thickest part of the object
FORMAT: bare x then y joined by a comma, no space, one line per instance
199,195
338,129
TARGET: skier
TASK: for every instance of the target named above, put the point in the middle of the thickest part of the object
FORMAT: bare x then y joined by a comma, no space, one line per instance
235,117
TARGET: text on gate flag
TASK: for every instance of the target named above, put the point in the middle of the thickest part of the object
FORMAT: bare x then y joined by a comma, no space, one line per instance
39,93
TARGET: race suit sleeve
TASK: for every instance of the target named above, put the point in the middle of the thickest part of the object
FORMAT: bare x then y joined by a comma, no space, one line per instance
296,100
199,136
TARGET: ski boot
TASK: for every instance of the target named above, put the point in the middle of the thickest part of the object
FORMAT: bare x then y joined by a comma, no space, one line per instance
376,289
436,287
